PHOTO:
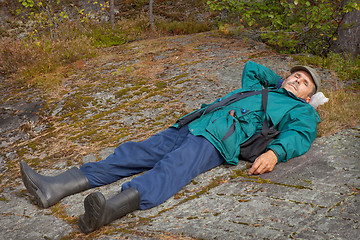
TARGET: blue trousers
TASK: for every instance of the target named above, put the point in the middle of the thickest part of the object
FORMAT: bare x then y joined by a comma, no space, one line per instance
171,159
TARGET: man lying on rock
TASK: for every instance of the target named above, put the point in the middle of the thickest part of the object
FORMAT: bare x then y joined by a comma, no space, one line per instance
173,157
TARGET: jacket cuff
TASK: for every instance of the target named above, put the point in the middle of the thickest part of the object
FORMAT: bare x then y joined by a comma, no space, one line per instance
279,151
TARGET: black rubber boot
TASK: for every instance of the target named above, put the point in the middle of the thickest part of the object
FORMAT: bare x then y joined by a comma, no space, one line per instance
100,212
48,190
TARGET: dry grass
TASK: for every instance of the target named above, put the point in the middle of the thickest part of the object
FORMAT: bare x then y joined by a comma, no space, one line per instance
342,111
29,60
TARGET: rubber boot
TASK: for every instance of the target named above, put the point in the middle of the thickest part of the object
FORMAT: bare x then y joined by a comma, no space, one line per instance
48,190
100,212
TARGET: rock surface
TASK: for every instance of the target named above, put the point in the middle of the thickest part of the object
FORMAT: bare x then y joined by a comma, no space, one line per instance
141,88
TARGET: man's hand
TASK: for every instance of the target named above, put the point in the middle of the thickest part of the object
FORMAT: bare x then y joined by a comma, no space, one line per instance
264,163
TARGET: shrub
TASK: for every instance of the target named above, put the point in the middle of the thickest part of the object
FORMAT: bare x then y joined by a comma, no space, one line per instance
44,15
183,27
14,54
105,37
293,26
125,30
28,58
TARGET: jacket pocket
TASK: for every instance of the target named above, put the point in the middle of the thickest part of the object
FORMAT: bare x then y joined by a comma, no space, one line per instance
225,129
250,124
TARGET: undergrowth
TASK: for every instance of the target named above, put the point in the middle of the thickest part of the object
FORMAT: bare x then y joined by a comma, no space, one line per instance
29,59
34,60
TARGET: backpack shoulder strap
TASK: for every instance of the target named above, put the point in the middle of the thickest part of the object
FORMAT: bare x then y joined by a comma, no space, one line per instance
233,98
265,94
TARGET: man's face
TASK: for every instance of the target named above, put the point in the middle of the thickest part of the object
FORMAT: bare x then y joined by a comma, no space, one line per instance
300,83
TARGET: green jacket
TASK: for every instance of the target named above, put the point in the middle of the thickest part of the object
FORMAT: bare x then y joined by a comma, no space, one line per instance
294,117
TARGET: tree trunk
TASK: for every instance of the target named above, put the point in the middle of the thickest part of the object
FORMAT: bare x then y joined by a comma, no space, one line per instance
112,21
151,16
349,34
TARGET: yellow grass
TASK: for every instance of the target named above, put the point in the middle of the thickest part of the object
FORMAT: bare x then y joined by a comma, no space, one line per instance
342,111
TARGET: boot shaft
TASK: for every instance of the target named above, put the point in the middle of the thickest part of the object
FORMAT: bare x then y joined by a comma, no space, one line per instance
48,190
121,204
100,212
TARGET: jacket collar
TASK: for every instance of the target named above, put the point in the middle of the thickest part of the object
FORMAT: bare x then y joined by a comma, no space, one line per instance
292,95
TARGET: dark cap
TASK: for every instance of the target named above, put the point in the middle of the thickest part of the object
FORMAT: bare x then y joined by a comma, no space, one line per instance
315,76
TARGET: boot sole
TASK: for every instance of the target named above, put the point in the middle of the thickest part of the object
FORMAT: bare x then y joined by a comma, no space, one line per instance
94,205
39,197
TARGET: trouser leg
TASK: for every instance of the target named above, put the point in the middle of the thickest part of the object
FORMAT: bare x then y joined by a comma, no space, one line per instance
132,157
192,157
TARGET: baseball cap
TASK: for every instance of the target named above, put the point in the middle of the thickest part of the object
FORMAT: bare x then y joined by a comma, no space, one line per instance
315,76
